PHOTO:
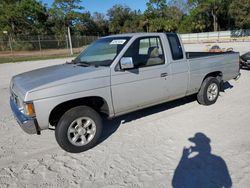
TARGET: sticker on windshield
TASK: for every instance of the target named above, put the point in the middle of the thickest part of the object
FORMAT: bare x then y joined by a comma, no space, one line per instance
117,42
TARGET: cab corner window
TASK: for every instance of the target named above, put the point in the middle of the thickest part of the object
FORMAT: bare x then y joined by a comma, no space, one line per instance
146,51
175,46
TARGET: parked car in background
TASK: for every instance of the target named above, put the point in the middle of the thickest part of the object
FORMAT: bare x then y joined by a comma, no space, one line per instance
245,60
113,76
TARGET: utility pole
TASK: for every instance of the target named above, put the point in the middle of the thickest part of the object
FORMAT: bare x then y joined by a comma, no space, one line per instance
70,42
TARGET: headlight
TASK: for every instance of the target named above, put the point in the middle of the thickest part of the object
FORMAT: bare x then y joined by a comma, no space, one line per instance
29,109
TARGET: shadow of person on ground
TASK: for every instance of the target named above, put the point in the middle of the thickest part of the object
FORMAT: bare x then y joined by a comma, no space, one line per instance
204,170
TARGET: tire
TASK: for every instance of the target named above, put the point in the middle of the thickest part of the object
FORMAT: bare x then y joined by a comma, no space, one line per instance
209,91
79,129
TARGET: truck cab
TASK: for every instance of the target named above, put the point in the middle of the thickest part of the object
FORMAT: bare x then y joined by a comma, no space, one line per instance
148,72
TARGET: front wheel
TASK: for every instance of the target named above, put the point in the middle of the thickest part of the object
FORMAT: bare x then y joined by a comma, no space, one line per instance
79,129
209,91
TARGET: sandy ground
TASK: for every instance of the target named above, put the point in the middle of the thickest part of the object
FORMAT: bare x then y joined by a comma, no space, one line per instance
141,149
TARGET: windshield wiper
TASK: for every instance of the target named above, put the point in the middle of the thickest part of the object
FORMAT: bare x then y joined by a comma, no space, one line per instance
84,64
87,64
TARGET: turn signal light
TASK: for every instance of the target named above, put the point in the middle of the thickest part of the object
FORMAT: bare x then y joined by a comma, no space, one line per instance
30,111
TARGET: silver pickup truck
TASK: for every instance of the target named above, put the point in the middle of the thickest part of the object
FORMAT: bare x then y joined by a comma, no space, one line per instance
115,75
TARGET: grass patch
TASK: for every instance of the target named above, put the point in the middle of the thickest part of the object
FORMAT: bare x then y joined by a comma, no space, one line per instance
32,58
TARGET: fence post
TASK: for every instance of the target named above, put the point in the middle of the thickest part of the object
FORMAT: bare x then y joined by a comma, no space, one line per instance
78,45
11,49
40,47
67,42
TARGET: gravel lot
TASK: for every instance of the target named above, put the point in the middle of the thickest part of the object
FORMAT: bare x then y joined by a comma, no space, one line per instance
141,149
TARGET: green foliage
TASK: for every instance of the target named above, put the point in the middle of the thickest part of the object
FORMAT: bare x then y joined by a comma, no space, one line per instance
31,17
240,11
118,15
197,21
155,8
101,24
17,46
22,17
216,11
63,14
122,19
161,17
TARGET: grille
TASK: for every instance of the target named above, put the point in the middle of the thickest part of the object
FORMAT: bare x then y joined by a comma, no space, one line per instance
15,99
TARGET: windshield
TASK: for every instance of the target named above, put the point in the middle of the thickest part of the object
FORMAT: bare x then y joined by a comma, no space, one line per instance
102,52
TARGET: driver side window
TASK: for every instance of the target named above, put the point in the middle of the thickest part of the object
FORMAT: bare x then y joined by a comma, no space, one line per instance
146,51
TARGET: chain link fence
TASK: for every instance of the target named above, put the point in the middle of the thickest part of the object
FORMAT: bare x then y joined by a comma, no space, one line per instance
21,48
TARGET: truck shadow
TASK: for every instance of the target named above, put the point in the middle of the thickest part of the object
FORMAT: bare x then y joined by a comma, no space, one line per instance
110,126
203,169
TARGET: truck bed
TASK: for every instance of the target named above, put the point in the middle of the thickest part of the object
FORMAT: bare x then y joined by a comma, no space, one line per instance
202,63
191,55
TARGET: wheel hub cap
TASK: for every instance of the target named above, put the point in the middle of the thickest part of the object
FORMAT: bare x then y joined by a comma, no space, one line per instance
81,131
212,92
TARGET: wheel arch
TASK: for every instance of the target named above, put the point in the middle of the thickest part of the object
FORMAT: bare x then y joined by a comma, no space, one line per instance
97,103
215,74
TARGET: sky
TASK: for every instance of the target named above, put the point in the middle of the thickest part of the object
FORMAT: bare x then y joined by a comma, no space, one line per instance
103,5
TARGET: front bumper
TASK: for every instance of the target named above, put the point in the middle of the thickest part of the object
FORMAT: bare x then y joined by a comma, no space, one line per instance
28,124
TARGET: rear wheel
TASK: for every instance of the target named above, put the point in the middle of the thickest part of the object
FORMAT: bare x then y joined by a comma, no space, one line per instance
209,91
79,129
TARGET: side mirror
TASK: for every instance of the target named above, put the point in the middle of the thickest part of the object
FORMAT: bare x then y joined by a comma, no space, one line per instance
126,63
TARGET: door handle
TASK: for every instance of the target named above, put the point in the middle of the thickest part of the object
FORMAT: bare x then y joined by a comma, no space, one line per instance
164,74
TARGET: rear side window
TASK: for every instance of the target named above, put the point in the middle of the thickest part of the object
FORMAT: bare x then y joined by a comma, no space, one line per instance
175,46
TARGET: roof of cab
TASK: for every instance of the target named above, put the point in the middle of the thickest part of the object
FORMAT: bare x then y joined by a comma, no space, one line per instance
132,34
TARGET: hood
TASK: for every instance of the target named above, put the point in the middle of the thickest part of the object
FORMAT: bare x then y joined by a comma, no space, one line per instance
55,75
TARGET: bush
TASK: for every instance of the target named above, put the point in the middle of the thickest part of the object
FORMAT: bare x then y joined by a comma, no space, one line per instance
19,46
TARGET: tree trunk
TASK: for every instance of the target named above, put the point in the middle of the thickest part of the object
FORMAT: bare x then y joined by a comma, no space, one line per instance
215,20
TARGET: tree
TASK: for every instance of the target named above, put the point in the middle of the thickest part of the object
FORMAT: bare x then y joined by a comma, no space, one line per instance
217,9
182,5
196,21
23,17
86,25
135,23
118,15
162,17
65,13
101,23
240,11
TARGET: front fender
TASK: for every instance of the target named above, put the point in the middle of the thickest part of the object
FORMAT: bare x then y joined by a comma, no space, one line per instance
43,107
